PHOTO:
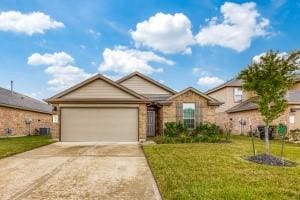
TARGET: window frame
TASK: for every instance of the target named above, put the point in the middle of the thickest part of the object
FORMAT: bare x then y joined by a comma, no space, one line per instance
194,116
235,95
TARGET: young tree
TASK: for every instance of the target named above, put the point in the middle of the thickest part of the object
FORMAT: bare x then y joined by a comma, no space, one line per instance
270,78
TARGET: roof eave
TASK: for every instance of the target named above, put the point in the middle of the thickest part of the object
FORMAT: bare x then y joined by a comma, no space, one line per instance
27,109
96,100
211,103
294,102
241,110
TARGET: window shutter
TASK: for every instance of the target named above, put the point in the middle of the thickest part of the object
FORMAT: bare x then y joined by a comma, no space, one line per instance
198,113
179,114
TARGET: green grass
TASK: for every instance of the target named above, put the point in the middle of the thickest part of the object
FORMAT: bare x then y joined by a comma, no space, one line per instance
217,171
14,145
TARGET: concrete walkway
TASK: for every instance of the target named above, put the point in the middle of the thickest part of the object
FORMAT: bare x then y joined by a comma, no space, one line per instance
78,171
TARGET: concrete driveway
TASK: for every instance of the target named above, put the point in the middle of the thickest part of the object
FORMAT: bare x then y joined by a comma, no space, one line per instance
78,171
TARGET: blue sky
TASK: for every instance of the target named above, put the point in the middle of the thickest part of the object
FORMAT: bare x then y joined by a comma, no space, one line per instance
46,46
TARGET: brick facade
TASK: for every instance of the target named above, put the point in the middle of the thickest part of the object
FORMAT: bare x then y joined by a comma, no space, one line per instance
254,118
208,112
250,116
142,122
15,119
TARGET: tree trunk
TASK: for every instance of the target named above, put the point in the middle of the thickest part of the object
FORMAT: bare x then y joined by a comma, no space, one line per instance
267,139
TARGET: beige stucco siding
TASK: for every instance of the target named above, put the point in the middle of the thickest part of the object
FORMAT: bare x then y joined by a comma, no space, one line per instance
226,96
143,86
296,86
99,89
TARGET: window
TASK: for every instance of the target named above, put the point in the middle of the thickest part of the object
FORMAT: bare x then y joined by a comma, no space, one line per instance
238,94
189,115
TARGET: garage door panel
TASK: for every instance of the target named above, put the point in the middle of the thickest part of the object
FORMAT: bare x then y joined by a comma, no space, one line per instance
99,124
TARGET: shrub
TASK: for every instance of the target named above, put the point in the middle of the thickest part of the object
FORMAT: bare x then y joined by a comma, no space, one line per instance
207,129
174,129
171,129
178,132
295,134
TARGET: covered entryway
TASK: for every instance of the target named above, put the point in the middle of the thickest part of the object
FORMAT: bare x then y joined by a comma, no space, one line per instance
99,124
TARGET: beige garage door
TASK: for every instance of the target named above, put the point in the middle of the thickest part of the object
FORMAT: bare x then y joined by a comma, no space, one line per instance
99,124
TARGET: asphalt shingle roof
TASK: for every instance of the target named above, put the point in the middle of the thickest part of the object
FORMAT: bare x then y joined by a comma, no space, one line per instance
157,97
17,100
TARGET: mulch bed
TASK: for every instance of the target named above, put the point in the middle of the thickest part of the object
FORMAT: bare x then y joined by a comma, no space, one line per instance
270,160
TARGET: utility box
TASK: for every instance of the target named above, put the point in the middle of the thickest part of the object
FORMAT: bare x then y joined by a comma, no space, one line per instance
44,131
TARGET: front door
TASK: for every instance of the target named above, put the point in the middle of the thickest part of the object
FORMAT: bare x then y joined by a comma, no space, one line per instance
151,123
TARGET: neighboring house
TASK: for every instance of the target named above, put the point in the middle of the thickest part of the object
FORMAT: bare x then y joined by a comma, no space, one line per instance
18,110
129,109
239,110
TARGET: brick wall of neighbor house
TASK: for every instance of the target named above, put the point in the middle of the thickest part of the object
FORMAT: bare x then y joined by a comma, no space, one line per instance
222,120
169,111
15,119
256,119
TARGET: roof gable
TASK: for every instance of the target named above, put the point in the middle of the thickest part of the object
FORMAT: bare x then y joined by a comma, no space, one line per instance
230,83
97,87
209,99
144,84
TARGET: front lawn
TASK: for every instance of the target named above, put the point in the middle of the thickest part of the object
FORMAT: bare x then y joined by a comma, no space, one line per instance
217,171
14,145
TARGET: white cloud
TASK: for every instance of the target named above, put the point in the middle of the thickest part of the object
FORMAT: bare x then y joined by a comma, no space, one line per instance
59,67
122,60
65,76
57,58
200,71
35,22
209,81
240,25
94,33
165,32
256,59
